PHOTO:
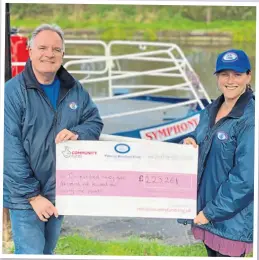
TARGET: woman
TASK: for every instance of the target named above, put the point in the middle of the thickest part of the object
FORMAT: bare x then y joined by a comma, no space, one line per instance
225,137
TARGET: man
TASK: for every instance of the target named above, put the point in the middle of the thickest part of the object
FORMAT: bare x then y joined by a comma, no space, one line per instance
44,105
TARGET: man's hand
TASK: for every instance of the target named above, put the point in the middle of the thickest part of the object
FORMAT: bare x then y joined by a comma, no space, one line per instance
200,219
191,141
43,208
65,135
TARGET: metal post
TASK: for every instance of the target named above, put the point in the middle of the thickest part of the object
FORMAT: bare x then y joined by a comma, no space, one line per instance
8,68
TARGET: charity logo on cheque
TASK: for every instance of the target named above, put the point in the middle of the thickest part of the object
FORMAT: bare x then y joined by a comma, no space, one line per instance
122,151
67,153
122,148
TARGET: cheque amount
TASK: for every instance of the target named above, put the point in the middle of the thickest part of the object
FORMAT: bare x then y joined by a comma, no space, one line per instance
150,179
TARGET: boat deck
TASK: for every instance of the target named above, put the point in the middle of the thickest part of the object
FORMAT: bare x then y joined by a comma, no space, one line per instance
140,120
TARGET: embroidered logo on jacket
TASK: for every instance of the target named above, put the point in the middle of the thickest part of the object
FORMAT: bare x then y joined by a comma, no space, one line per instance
222,135
73,105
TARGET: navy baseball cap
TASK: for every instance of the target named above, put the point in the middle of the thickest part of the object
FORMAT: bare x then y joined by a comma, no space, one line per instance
236,60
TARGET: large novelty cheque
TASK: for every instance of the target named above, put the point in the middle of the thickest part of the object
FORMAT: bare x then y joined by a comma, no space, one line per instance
133,179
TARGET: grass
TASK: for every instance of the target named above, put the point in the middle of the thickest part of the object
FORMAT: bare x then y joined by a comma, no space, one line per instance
77,245
178,24
175,23
114,29
123,21
134,246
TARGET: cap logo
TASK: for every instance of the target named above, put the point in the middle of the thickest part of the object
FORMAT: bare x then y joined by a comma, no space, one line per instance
230,56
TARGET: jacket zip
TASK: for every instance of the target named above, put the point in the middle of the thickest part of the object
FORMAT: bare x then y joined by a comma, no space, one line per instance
49,104
54,111
204,157
206,152
59,102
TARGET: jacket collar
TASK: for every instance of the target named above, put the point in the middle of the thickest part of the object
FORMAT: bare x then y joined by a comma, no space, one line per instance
236,112
238,109
66,80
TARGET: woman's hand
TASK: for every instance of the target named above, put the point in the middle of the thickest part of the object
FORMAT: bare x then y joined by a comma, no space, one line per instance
191,141
200,219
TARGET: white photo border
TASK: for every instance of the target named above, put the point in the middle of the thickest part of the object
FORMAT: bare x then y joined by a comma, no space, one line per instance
122,2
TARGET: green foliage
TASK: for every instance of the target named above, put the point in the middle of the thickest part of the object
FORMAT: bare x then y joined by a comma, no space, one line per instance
126,21
30,10
247,33
228,13
114,33
130,12
150,35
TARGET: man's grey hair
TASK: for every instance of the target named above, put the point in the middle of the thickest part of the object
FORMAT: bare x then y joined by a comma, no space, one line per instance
48,27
